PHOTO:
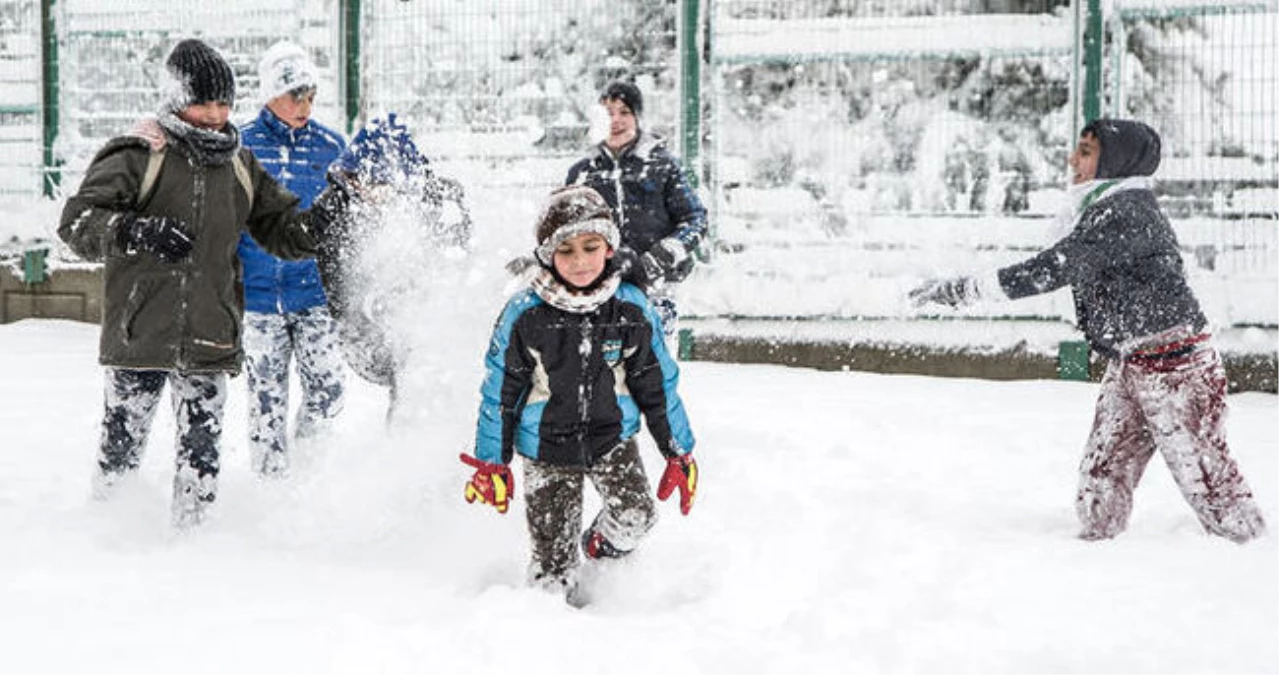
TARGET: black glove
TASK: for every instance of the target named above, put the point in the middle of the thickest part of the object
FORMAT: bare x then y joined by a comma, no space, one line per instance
330,207
669,259
168,238
954,293
630,267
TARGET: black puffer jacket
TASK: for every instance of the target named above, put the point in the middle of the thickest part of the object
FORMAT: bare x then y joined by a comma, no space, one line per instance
658,201
1121,259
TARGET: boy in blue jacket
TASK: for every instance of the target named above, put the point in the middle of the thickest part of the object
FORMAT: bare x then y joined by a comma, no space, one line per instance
1164,388
286,310
572,363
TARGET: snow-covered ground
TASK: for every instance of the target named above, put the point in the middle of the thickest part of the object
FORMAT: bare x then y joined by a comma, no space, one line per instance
847,522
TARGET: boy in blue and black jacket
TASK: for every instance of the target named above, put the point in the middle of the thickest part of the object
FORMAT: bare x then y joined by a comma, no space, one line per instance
573,362
286,310
1165,387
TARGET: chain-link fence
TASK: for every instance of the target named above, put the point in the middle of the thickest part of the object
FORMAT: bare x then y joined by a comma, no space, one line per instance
859,144
110,60
855,143
504,90
20,77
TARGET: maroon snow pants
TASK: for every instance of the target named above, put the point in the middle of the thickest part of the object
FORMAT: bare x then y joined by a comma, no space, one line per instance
1176,406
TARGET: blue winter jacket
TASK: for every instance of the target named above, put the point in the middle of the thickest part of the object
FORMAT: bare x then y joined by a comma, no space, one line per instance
299,160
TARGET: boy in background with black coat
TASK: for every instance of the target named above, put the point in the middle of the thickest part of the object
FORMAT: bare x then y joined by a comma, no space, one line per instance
661,219
1165,387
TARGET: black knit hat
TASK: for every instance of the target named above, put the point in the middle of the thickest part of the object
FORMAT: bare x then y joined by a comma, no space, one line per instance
627,93
200,75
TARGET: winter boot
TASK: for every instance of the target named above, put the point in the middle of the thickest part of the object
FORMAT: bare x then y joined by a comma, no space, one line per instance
192,495
595,546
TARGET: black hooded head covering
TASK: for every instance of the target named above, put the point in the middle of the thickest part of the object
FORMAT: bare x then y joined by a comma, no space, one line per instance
1128,148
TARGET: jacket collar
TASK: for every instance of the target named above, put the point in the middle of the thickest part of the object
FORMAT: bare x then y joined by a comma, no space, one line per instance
642,147
279,129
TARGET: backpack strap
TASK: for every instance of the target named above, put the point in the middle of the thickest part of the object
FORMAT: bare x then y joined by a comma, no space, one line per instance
149,177
242,173
152,174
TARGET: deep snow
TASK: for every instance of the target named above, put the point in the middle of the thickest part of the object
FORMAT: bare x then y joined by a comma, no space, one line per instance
848,522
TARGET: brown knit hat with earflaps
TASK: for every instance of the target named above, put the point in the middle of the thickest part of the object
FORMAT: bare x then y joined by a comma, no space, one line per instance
570,211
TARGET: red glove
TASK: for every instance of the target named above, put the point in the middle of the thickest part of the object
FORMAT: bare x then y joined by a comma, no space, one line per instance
681,472
491,484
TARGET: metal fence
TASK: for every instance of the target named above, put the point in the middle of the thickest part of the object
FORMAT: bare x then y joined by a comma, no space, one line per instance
851,143
20,77
508,87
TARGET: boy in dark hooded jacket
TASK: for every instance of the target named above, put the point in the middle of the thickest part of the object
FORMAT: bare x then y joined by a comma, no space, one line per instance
163,208
1164,388
572,363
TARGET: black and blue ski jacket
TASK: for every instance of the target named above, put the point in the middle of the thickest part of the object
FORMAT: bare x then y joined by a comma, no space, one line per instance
565,388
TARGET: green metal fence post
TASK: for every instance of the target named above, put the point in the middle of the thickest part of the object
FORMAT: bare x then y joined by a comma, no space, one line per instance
33,267
1072,360
684,349
1092,62
351,62
690,96
49,110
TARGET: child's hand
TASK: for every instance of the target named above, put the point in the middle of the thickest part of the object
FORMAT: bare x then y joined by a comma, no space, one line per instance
681,472
491,484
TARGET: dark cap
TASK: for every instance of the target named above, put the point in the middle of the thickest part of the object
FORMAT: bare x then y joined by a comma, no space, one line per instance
627,93
201,75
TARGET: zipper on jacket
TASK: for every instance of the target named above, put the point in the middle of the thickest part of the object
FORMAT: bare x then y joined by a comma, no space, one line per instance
585,389
189,267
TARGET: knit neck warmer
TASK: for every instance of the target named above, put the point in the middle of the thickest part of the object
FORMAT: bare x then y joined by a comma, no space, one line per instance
210,148
550,288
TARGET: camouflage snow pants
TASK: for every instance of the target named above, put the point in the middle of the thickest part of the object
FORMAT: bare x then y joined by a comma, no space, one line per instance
554,511
270,341
1176,406
131,400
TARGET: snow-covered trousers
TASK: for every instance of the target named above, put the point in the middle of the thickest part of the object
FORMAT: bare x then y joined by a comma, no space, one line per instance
663,299
1176,406
131,399
554,511
270,341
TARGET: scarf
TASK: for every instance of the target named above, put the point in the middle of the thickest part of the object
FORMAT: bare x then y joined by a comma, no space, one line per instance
1082,195
210,148
559,296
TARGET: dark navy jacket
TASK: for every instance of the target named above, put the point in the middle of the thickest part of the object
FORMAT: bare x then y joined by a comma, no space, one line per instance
658,201
566,388
1121,259
299,160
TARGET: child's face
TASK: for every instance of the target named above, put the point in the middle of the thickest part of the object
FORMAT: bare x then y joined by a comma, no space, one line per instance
293,107
581,260
211,115
1083,161
621,123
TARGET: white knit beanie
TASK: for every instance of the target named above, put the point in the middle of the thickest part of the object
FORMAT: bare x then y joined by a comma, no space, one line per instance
283,68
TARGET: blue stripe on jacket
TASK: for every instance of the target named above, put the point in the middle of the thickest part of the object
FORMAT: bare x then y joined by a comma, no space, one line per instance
490,431
299,159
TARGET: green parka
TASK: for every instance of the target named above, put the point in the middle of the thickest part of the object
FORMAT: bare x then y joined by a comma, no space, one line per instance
183,316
